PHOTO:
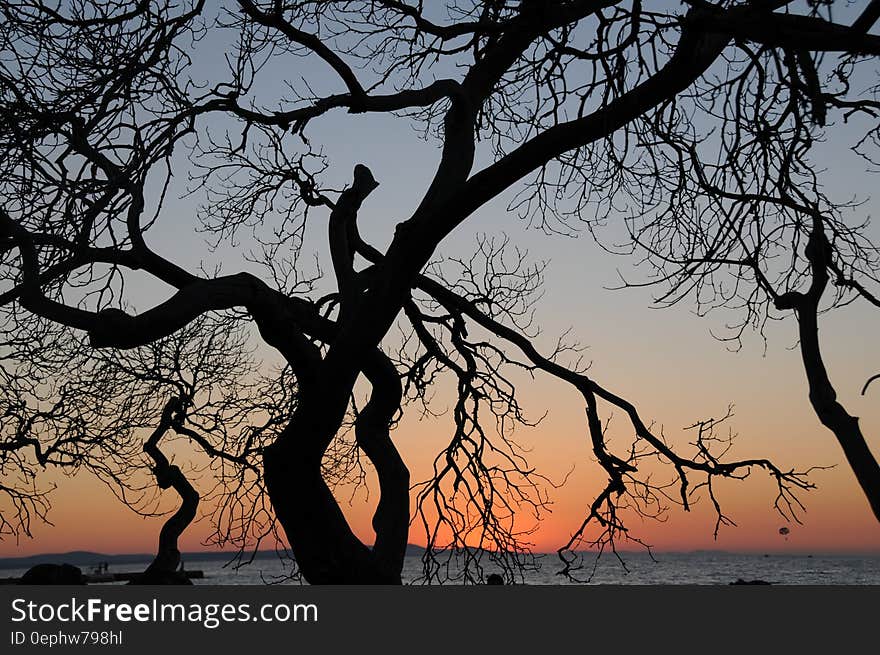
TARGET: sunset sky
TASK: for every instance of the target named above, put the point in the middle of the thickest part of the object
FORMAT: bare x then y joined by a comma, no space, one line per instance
666,361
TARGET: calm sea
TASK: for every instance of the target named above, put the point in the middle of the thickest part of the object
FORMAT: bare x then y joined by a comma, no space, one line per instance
702,568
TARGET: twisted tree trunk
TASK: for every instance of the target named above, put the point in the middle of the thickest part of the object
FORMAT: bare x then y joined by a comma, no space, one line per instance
164,567
326,549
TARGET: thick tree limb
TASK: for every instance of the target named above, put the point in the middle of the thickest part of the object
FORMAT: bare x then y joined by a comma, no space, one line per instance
372,429
823,396
343,229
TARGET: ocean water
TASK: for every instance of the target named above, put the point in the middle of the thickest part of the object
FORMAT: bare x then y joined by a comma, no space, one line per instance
709,568
700,568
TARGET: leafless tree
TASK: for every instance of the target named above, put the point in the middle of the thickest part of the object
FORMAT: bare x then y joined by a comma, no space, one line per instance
747,225
569,101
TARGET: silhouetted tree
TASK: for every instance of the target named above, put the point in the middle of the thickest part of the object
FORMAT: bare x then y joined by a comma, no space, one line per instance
74,409
568,100
747,225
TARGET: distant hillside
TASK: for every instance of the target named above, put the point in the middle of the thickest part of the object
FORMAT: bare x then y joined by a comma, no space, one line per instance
86,560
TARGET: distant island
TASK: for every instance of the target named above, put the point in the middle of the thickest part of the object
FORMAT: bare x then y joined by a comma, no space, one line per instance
85,559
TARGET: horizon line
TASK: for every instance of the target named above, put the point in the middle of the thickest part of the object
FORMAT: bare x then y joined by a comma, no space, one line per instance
623,551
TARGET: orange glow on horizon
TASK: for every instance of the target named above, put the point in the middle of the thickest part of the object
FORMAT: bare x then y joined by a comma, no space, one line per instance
87,516
777,424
